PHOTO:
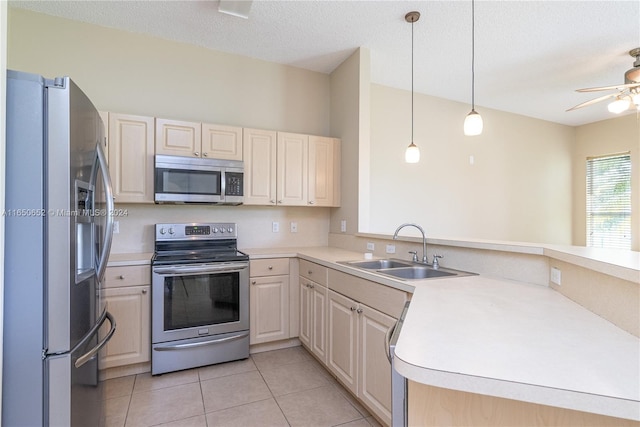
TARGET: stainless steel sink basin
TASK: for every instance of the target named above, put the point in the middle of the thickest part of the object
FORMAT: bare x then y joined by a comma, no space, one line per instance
379,264
405,270
414,273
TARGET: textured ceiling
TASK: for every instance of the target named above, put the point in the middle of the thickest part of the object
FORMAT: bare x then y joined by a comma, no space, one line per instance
530,55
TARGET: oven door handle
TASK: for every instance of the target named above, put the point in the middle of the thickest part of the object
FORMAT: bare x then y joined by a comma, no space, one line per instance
209,268
175,347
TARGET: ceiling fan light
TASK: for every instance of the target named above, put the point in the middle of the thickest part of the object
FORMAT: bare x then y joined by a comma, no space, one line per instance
619,105
636,99
412,155
473,124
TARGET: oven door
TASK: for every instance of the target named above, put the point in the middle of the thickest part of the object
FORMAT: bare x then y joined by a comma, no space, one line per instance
198,300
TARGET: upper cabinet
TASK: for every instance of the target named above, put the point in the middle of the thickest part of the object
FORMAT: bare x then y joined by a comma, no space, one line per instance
131,152
290,169
193,139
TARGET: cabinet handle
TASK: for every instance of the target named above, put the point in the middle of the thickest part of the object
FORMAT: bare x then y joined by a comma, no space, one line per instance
270,267
311,286
280,201
197,154
204,154
352,308
359,311
309,272
273,202
121,277
253,282
311,202
144,291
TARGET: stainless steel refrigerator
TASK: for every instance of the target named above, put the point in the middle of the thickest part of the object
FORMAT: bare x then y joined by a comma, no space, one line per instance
58,231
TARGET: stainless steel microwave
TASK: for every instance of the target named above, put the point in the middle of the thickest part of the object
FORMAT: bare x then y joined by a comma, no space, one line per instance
192,180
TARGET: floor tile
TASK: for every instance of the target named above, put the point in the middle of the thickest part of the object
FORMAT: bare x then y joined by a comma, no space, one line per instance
146,382
199,421
115,413
118,387
263,413
294,377
224,369
272,359
324,406
233,390
357,423
153,407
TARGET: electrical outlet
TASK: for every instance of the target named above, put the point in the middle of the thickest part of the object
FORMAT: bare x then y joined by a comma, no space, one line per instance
556,276
275,227
343,226
370,246
116,227
294,227
391,249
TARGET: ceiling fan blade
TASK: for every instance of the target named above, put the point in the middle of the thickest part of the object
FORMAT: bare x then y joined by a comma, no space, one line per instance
621,86
593,101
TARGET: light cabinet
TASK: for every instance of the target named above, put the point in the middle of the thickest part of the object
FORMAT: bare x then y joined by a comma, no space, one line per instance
127,295
131,150
194,139
313,309
290,169
269,300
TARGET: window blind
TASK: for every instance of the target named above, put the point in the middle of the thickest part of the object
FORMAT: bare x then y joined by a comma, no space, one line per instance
609,201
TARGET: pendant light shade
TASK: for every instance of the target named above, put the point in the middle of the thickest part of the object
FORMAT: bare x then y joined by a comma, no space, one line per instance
619,105
412,154
473,121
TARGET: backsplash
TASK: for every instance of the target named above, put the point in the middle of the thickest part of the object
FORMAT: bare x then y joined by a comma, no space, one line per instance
137,221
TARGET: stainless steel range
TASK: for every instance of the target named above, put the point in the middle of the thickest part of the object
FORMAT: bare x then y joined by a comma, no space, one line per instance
200,297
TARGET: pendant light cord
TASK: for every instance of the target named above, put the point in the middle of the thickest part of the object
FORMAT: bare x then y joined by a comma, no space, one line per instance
473,55
412,82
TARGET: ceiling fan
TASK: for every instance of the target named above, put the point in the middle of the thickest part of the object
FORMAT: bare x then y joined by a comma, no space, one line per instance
628,95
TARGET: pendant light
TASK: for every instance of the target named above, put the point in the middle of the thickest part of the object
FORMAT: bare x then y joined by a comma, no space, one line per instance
473,121
412,155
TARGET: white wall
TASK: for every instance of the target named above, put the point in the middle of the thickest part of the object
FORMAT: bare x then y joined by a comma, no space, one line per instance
518,188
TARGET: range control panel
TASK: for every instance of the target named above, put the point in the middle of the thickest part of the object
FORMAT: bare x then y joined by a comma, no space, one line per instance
196,231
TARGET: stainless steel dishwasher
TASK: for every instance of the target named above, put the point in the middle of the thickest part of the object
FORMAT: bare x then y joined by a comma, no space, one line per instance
398,382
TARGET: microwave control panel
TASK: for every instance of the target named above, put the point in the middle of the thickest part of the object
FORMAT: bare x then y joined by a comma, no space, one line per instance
234,184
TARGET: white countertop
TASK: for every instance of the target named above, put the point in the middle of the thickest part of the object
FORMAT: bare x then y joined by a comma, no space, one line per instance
519,341
507,339
122,259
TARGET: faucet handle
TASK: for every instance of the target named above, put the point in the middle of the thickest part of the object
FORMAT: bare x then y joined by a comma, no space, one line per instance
415,255
436,264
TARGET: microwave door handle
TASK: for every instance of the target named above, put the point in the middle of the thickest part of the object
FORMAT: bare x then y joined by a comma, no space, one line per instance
108,229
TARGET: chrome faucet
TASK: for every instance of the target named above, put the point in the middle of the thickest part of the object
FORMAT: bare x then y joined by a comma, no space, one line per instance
424,239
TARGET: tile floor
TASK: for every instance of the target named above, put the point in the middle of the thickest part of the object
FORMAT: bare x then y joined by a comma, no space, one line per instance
276,388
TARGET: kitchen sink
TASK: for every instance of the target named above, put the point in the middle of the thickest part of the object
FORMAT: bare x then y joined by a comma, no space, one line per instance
405,270
379,264
416,272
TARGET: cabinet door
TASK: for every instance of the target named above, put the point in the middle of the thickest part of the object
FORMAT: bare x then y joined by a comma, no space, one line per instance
321,171
374,385
178,138
221,142
259,149
131,158
319,302
131,342
343,340
293,167
269,309
306,312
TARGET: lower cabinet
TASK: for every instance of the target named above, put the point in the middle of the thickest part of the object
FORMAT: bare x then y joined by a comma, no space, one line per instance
356,352
268,300
313,317
128,298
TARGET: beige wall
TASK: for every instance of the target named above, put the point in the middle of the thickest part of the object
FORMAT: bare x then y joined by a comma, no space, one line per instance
518,189
131,73
618,135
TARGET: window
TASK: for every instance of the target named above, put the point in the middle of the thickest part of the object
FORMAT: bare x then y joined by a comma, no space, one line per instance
609,201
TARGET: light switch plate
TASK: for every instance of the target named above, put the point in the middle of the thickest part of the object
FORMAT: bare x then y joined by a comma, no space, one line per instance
275,227
371,246
343,226
391,249
556,276
294,227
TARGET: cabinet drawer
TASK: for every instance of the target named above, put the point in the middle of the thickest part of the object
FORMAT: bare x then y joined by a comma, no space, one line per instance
380,297
134,275
269,267
313,271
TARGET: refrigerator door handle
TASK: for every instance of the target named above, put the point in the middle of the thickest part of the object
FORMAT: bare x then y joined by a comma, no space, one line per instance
108,229
88,355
